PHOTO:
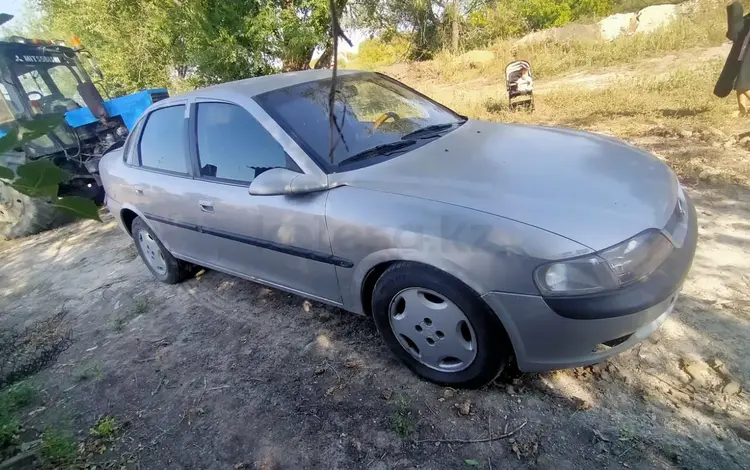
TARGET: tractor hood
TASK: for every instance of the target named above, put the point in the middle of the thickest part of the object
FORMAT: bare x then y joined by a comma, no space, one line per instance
128,107
589,188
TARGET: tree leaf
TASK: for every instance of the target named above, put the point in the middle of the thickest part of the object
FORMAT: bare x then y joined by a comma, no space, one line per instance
471,463
40,126
9,141
78,206
37,178
34,191
6,173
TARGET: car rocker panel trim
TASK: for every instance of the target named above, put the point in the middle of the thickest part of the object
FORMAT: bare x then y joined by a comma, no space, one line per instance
287,249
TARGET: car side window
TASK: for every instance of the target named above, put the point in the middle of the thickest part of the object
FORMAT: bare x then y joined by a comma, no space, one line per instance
132,137
163,143
233,145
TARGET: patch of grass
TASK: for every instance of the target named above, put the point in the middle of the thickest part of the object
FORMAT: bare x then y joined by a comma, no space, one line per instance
141,306
105,428
119,324
17,396
13,399
702,28
401,419
58,449
627,6
9,427
91,372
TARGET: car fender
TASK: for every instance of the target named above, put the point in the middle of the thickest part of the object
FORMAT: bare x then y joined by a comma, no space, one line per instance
400,254
138,213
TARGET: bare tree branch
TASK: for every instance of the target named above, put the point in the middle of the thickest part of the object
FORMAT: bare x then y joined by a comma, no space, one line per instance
336,33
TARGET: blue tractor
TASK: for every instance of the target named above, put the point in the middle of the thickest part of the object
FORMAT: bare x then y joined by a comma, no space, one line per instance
41,77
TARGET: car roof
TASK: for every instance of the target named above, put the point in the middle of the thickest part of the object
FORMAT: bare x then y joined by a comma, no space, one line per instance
258,85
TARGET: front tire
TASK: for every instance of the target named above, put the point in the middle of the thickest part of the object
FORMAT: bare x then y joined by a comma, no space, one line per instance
157,258
21,215
438,326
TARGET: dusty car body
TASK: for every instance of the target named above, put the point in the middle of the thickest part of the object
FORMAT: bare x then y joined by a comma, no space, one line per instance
469,242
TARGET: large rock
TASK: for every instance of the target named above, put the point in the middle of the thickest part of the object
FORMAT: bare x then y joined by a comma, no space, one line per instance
654,17
621,24
647,20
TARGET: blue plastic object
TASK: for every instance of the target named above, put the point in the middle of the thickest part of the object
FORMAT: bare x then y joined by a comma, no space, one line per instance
129,107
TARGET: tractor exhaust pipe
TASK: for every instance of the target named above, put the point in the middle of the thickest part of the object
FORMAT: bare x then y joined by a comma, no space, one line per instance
93,100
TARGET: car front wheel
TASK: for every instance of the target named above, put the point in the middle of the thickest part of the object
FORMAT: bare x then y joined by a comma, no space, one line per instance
438,326
159,261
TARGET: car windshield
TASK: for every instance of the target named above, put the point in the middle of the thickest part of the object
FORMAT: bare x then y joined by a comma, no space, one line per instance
377,117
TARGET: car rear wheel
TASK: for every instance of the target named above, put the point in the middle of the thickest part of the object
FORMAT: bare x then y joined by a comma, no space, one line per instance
159,261
438,326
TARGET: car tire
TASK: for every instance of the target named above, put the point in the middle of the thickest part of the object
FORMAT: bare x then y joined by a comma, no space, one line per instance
412,303
22,216
156,257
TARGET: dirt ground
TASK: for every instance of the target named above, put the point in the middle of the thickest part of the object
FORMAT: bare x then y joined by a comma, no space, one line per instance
219,372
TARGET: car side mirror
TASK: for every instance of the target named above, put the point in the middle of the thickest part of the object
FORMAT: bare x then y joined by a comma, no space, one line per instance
276,181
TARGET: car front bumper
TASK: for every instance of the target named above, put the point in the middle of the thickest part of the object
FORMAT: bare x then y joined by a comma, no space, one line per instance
558,333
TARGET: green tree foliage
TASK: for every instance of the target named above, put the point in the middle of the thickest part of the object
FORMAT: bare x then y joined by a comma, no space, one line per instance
377,52
157,43
428,22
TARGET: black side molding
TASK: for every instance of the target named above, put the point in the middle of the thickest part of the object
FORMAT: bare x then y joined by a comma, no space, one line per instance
649,291
286,249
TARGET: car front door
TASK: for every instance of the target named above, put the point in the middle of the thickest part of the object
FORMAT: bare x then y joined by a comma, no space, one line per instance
279,240
159,183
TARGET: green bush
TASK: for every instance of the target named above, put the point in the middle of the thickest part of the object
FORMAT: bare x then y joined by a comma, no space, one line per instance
376,53
542,14
514,18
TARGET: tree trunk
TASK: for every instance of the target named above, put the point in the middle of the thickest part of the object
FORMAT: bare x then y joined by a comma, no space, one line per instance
326,58
454,32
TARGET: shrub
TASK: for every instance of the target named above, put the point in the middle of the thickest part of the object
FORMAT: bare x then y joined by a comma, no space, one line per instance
376,53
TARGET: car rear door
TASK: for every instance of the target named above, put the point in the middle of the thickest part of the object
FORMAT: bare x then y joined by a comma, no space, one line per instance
160,183
279,240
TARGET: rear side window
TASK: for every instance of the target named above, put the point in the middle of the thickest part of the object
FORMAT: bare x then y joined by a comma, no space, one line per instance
232,145
162,145
132,137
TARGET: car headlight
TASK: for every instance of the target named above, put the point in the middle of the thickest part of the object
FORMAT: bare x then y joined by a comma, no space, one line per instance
612,268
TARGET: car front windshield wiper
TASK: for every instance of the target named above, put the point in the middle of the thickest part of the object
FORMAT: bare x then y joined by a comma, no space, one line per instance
382,149
429,131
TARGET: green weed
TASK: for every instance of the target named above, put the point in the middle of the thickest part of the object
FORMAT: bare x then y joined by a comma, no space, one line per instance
58,450
401,419
104,428
141,306
13,399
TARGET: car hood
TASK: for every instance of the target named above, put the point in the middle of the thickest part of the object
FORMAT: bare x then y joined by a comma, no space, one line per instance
592,189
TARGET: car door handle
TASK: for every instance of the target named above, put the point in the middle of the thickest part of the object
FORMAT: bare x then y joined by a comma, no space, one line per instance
138,191
206,205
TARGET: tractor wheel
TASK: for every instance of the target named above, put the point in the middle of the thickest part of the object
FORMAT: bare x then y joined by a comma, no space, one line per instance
21,215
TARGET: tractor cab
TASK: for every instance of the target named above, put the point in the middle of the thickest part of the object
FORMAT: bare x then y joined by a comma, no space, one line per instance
40,78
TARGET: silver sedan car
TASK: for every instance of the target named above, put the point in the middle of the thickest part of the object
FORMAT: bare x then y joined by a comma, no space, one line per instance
473,245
